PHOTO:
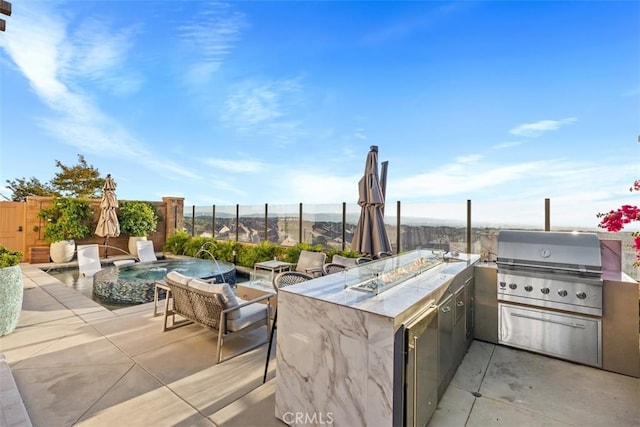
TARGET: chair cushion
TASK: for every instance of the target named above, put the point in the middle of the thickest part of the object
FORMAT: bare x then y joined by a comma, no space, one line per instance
249,314
118,263
229,299
181,279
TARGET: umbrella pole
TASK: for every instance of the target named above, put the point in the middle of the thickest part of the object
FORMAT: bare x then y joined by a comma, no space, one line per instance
106,247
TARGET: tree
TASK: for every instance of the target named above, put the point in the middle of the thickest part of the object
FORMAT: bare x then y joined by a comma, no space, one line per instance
81,180
21,188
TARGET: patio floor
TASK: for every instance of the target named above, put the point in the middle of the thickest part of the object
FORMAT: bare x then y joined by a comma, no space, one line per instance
77,363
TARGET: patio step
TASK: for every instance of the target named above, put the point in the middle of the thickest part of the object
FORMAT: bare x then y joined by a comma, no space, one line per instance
12,410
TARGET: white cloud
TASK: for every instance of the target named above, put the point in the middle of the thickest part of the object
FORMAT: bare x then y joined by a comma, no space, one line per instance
536,129
52,60
265,108
360,134
506,145
472,158
97,53
210,36
235,165
460,178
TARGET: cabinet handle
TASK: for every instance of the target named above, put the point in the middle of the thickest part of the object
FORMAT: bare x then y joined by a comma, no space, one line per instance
415,383
460,303
446,309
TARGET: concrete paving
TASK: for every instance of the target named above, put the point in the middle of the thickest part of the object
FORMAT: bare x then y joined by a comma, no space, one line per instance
77,363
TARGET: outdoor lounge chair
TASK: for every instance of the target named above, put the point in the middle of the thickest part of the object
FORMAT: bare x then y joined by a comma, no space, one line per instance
311,262
88,260
215,306
146,253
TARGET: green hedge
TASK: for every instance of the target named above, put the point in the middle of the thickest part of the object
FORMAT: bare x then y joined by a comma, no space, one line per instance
246,254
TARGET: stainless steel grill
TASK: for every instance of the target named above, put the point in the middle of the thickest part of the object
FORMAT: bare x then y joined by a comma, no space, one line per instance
550,293
556,270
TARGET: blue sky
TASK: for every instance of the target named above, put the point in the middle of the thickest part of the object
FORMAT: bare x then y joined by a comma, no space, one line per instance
505,103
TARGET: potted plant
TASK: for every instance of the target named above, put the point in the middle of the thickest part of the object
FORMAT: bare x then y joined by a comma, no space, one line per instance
11,290
138,220
66,220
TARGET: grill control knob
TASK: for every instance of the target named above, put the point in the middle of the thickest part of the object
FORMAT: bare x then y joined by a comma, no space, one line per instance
512,286
528,288
562,293
503,284
544,290
581,295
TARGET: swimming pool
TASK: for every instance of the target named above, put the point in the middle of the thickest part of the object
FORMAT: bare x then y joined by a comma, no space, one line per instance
133,284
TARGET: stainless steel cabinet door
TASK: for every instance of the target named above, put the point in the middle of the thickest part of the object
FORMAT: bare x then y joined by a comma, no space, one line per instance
445,337
422,368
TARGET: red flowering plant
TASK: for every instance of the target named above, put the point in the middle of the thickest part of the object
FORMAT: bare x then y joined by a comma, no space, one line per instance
615,221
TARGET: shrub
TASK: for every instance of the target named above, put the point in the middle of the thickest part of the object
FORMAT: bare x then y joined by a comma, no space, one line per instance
250,254
67,219
9,258
137,219
176,242
246,254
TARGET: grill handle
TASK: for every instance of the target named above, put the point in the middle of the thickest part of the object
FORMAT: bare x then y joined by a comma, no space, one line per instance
571,325
580,269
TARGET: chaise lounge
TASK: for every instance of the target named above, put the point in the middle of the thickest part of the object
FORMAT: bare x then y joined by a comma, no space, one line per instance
215,306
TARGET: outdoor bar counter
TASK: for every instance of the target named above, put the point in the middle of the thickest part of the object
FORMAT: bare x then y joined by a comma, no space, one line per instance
337,343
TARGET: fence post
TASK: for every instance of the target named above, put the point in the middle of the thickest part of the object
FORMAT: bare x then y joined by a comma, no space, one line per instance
399,248
468,226
237,221
193,220
266,219
344,225
213,221
547,214
300,224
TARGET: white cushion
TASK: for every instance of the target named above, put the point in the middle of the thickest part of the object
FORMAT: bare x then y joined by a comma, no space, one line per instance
249,314
181,279
118,263
229,299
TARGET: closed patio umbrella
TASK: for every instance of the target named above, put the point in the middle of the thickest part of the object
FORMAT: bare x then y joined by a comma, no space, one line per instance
370,236
108,225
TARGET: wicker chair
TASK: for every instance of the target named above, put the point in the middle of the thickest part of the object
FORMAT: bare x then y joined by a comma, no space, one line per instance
338,263
213,310
362,260
282,280
333,267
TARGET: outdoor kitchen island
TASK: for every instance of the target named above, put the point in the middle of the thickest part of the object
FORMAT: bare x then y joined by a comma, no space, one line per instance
360,347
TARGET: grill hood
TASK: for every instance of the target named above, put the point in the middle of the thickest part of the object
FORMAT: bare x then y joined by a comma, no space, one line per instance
569,252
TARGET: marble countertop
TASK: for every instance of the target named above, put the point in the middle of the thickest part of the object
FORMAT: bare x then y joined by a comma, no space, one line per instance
391,302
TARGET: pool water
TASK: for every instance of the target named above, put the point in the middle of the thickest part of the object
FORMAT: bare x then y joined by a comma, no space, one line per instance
133,284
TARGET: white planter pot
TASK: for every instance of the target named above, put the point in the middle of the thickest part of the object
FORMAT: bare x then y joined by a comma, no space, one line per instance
11,295
133,247
62,251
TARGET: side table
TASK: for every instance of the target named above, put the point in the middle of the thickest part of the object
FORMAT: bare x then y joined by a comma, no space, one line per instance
273,266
